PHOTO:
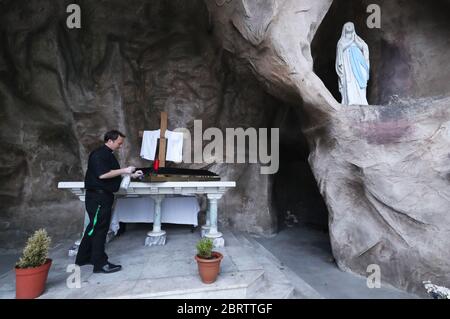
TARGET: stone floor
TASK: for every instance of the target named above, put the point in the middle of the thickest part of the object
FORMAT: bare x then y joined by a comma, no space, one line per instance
286,266
168,271
306,250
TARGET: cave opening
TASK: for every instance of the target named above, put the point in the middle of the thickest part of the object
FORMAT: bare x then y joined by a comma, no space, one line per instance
297,199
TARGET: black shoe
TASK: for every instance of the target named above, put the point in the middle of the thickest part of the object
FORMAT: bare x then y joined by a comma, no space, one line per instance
108,268
113,266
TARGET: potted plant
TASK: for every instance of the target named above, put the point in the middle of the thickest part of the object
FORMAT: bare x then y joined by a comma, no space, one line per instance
208,260
32,268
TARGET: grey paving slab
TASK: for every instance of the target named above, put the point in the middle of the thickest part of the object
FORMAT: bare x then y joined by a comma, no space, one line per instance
307,253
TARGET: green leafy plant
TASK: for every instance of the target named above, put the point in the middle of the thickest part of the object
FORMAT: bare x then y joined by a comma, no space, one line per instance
35,252
204,248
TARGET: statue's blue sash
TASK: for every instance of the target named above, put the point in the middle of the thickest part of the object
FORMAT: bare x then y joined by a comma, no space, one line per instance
358,62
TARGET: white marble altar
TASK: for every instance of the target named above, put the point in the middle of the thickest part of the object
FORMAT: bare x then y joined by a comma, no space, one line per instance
214,191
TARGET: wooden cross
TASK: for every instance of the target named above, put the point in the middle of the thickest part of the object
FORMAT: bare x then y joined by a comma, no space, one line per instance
162,140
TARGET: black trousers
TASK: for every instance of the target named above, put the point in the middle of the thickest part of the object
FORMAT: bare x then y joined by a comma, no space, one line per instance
92,247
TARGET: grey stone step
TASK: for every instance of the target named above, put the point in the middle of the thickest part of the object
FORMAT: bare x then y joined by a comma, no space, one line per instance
274,284
232,285
279,279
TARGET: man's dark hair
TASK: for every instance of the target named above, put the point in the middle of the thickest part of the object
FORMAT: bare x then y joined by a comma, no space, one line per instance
113,135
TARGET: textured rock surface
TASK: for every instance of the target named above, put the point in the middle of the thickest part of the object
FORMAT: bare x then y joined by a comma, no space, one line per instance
61,89
384,171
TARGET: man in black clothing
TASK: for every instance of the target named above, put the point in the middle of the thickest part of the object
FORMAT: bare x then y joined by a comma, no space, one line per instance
103,178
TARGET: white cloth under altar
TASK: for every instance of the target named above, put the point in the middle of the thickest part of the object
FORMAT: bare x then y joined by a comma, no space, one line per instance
174,210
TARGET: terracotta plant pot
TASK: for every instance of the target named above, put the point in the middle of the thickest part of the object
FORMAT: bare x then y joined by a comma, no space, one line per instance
30,282
209,268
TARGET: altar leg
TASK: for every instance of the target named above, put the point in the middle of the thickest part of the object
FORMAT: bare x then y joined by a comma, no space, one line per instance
73,251
207,226
156,237
213,233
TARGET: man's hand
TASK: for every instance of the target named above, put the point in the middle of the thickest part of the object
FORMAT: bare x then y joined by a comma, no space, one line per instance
137,174
118,172
129,170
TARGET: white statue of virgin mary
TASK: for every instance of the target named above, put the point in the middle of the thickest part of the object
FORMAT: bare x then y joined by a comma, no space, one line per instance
352,66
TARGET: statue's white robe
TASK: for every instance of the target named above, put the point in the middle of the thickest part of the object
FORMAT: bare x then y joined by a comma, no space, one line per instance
352,93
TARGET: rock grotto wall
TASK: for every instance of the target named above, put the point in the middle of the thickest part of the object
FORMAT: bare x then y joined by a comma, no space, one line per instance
384,171
61,89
